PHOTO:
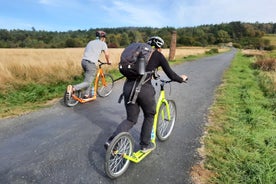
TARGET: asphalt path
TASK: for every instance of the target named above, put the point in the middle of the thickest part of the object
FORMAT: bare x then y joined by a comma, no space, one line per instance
65,145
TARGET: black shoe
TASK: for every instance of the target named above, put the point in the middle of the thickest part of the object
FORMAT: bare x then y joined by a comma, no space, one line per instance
87,96
107,143
146,148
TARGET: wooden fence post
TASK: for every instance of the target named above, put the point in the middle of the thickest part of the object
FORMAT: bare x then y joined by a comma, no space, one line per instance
172,46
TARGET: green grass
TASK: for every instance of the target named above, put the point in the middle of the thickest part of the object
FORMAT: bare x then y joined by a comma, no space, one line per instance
241,140
31,97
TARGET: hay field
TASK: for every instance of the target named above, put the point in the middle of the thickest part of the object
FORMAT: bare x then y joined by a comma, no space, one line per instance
21,66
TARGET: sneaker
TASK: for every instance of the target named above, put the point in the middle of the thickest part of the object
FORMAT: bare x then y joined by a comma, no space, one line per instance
107,143
87,96
146,148
69,90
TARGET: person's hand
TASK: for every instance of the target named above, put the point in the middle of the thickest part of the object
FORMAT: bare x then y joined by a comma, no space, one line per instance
184,77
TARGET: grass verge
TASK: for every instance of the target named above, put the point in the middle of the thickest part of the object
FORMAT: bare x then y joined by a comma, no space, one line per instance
240,144
30,97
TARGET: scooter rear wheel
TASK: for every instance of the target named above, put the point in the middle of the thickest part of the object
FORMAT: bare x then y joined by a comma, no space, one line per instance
115,163
69,100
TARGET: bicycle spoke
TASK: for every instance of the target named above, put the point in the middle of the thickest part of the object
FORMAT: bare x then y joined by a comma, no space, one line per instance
114,167
105,85
69,100
166,124
163,127
116,164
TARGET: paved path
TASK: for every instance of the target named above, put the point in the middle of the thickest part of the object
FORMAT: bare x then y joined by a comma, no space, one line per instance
65,145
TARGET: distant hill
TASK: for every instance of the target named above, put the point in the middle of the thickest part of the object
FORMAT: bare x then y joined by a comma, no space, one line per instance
242,35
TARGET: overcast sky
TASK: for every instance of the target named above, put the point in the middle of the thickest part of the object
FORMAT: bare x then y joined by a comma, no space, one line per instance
64,15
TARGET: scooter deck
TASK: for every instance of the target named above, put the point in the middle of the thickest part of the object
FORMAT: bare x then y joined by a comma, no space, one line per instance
137,156
81,100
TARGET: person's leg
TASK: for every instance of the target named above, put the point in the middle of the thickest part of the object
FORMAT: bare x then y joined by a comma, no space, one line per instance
132,116
146,100
89,74
132,111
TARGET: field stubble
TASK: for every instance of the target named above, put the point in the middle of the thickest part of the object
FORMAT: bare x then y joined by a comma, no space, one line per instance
23,66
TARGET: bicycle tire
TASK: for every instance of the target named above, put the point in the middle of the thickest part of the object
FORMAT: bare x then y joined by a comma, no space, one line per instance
165,126
104,91
115,165
69,100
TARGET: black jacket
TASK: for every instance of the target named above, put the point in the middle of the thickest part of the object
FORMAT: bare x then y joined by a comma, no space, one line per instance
157,59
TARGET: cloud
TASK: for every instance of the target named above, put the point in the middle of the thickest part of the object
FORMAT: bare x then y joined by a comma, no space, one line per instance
86,14
199,12
63,4
48,2
135,14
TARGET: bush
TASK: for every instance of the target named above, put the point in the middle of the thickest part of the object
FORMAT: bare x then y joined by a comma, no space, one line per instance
212,51
265,64
237,45
269,48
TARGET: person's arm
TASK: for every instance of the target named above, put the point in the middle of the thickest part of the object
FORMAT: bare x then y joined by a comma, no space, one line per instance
169,72
106,54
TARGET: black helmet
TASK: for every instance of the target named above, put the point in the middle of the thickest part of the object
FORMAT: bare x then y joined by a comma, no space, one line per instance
100,34
156,41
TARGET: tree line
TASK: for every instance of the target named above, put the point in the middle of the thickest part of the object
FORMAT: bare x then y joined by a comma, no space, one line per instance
240,34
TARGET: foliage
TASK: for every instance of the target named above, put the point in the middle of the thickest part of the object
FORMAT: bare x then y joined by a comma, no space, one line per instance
212,51
271,38
245,35
241,142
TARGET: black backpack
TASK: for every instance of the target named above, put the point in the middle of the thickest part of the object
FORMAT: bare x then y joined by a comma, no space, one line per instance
134,60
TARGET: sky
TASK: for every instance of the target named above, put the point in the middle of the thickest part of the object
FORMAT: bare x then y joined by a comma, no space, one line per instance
71,15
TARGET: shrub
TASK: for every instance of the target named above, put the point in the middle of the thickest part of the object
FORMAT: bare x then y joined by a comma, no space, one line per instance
237,45
212,51
269,48
265,64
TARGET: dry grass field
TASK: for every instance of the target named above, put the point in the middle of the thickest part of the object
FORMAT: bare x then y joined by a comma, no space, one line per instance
252,52
268,63
21,66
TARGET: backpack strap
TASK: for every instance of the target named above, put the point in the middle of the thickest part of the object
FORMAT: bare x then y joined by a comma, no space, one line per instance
135,90
134,93
121,98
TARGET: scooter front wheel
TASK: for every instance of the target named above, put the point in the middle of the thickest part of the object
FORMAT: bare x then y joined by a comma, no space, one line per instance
166,120
104,89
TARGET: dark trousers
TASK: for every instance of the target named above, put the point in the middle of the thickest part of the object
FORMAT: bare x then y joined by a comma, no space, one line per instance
145,100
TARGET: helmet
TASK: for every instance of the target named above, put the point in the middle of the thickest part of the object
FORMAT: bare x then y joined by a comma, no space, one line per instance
100,34
156,41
